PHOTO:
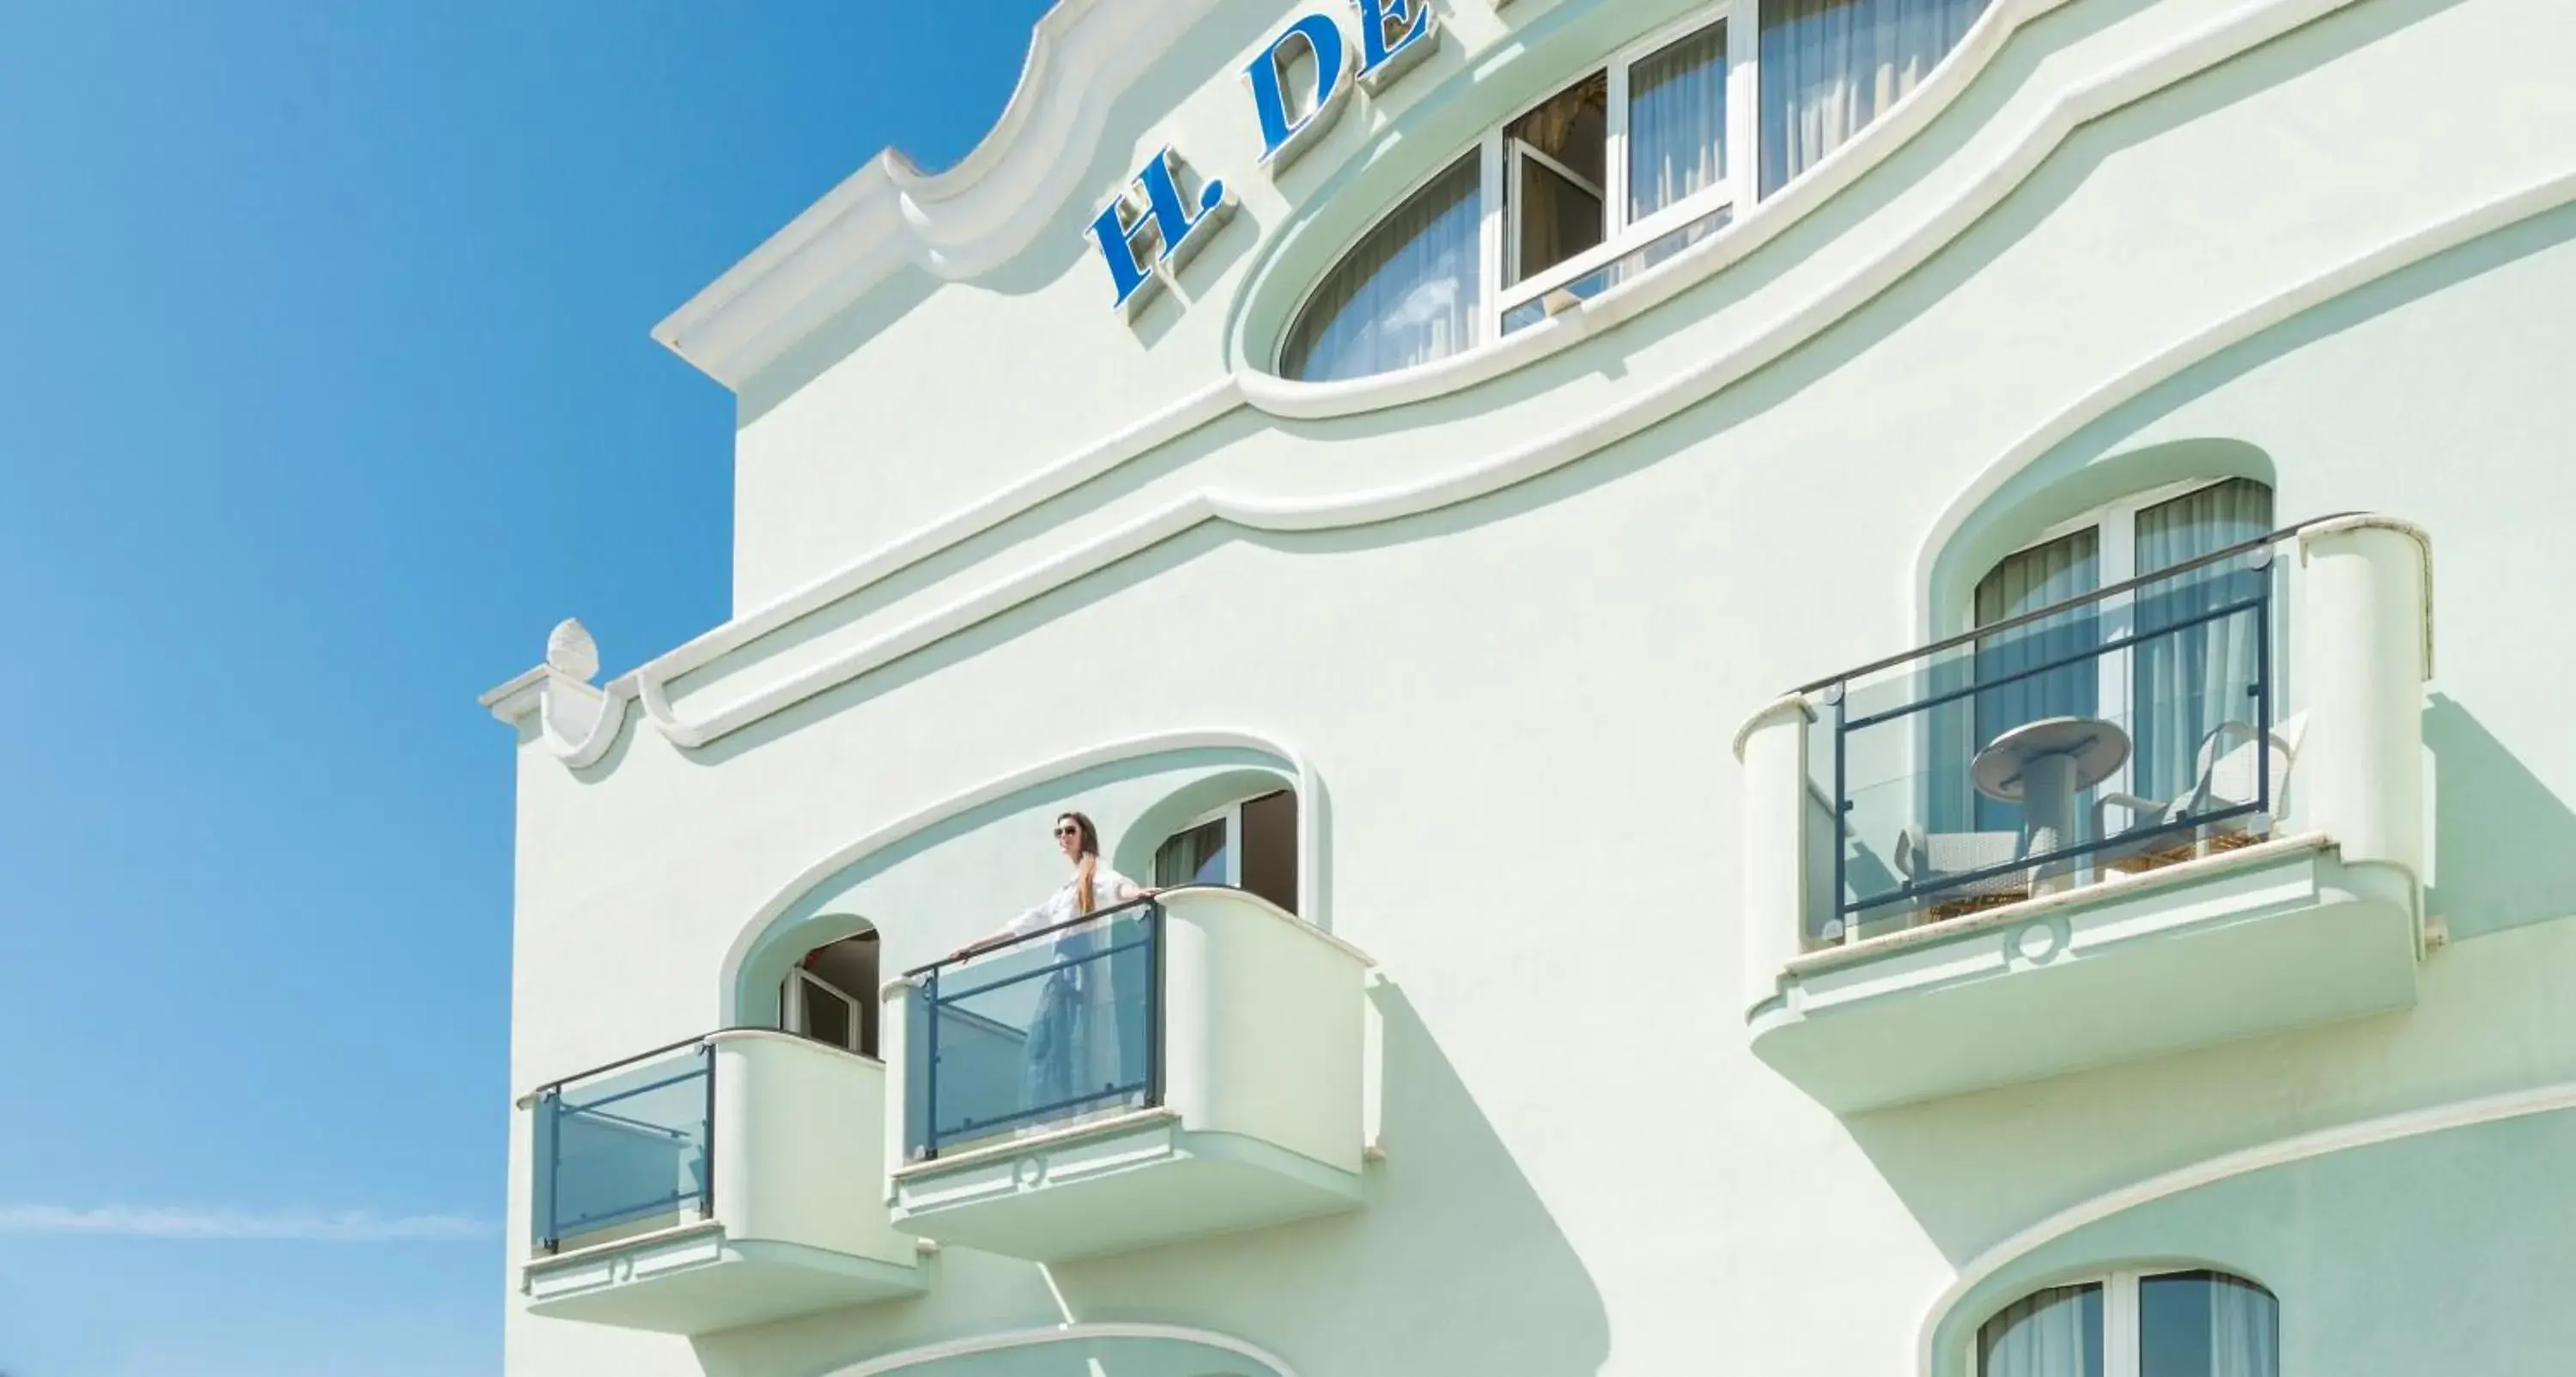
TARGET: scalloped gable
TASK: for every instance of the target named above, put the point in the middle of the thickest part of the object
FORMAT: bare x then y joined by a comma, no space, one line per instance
954,225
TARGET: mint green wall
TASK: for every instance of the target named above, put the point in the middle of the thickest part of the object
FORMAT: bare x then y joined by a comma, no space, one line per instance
1519,698
2449,1253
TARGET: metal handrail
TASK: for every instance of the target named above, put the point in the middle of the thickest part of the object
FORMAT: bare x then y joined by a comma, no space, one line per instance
1052,928
666,1049
2058,608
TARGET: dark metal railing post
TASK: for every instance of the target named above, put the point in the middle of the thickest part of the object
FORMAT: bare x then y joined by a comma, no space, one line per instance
549,1111
2263,697
1840,693
1154,932
929,1063
707,1150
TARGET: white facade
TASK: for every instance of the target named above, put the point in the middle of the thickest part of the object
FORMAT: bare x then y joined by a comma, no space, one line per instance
1580,1052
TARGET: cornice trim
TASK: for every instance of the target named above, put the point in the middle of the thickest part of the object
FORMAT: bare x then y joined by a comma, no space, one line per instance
972,218
2251,23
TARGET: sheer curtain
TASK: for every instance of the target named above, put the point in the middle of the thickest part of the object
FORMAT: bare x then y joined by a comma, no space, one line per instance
2067,567
1406,294
2187,682
1195,857
1676,122
1829,67
2051,1333
2207,1324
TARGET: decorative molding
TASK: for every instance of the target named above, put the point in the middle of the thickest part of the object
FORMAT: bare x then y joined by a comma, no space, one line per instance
1272,1365
972,218
2546,1099
2246,25
1301,772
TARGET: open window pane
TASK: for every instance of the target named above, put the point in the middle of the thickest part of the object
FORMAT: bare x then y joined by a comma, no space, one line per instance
1677,122
1559,158
1270,848
1405,295
1559,216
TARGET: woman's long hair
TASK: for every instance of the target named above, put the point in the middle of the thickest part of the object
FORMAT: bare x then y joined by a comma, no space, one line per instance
1089,865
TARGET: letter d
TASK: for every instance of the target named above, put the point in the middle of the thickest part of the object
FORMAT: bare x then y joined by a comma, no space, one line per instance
1279,133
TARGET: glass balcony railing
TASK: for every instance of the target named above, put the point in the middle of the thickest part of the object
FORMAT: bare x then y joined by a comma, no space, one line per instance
1048,1029
625,1147
1174,1067
727,1180
2076,744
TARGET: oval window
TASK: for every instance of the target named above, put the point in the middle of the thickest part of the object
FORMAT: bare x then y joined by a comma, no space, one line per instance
1405,295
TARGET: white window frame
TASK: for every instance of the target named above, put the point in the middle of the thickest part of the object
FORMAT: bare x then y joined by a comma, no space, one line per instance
1620,236
1232,816
1738,191
2115,534
2121,1329
792,1000
1517,155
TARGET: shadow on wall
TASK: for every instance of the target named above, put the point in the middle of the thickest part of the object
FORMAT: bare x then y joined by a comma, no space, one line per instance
2504,846
1454,1261
2442,1253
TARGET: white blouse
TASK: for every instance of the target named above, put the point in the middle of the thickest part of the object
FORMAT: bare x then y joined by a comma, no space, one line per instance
1063,907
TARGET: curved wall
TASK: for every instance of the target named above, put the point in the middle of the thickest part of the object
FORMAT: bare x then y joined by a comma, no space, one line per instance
1514,626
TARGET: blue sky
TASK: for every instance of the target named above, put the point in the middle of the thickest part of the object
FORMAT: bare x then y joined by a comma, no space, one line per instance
327,391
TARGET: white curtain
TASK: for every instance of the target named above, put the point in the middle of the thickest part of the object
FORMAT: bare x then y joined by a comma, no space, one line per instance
1676,122
2244,1330
2068,567
1829,67
2051,1333
2189,681
1406,294
2207,1324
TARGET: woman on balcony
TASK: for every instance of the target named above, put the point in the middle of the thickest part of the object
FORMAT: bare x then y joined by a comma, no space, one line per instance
1077,1050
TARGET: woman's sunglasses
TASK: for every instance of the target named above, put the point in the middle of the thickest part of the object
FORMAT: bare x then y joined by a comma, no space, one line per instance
1068,831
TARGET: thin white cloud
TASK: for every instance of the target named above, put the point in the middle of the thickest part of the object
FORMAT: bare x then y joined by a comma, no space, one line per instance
303,1226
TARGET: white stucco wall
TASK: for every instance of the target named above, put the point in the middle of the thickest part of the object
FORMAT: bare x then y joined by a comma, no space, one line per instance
1515,680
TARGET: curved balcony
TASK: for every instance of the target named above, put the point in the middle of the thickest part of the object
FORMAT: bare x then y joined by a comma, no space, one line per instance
1169,1068
724,1181
2177,811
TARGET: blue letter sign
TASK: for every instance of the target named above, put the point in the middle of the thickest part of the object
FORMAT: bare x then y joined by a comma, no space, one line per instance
1279,133
1141,242
1165,226
1380,58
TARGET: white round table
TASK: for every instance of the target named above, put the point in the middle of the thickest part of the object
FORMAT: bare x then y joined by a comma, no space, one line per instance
2043,765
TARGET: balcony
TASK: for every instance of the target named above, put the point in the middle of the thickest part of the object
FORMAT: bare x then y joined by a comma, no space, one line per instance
2177,811
726,1181
1170,1068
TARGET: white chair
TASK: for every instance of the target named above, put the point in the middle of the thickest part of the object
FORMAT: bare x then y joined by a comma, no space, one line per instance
2227,770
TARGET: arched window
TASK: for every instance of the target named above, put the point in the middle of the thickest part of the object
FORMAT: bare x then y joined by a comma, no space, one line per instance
2133,1324
1615,172
1250,844
831,994
1404,296
2178,691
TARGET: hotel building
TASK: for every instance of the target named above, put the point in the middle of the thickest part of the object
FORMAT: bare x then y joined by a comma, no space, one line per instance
1869,688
